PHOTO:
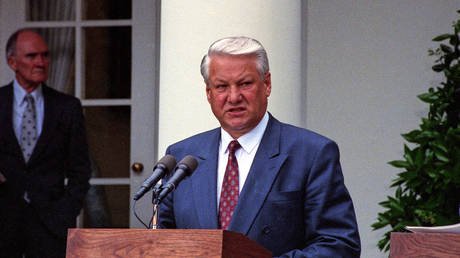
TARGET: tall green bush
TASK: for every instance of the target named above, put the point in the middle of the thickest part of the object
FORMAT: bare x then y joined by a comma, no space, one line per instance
428,187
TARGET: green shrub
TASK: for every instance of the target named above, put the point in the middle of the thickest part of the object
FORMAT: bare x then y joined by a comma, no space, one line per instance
428,188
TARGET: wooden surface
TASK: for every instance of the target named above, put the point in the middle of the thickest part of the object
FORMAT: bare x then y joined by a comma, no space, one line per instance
134,243
437,245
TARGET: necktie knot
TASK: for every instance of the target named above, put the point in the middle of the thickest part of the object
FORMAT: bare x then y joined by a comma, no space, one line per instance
29,99
233,146
30,102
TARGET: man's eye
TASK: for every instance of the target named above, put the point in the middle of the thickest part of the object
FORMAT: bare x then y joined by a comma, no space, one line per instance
246,83
221,86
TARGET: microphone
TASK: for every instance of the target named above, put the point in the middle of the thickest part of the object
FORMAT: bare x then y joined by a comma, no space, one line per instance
163,167
184,168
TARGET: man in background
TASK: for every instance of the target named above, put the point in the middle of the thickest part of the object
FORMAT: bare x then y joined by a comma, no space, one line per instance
280,185
42,143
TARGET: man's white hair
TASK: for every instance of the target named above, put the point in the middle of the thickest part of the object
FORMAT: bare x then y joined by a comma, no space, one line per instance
236,46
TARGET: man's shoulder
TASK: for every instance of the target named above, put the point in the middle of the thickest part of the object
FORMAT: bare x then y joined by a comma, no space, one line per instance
51,91
200,137
296,135
6,93
59,96
6,87
293,130
198,144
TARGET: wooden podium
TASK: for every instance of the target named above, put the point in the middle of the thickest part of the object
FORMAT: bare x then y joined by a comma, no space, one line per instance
132,243
439,245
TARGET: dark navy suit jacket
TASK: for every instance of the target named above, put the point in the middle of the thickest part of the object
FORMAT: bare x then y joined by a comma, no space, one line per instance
294,201
61,152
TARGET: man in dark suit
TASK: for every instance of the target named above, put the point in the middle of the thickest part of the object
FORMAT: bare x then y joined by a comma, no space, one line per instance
45,177
292,198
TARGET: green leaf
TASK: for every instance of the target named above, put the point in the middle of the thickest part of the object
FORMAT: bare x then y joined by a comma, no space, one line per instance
400,226
440,156
438,67
399,163
408,176
396,206
419,158
442,37
384,244
453,40
440,147
446,49
382,223
398,193
411,136
398,181
428,97
432,174
408,155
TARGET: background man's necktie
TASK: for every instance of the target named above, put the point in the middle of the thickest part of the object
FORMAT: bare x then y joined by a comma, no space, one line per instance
230,187
28,128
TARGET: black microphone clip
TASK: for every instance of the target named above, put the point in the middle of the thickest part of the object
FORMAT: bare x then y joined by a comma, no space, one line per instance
184,168
163,167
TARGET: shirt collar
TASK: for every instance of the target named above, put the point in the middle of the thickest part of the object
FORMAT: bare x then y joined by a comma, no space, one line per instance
248,141
20,93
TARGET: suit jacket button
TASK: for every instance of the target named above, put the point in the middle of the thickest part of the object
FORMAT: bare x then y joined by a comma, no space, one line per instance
266,230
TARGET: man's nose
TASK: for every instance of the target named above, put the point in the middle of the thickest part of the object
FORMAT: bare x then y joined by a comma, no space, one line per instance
234,94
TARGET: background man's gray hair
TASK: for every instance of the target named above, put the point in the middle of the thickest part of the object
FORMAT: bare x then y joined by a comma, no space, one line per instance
236,46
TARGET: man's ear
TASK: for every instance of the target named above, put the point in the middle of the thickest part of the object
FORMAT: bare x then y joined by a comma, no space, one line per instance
208,92
12,63
268,84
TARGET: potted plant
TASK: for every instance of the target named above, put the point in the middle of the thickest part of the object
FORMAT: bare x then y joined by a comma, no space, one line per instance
427,190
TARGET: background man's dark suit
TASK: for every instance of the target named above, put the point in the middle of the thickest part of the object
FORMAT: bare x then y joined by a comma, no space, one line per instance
293,199
61,152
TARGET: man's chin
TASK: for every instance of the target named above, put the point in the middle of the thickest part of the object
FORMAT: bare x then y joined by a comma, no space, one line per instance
236,129
39,81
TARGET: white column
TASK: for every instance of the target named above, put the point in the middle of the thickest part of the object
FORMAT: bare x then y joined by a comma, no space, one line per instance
187,30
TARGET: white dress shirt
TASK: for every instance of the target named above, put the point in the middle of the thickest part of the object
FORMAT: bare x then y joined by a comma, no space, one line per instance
19,104
245,155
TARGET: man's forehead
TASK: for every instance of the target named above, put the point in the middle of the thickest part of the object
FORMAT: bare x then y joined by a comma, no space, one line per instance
31,42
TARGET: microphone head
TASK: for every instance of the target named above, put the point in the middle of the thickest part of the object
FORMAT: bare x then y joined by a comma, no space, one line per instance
168,161
190,162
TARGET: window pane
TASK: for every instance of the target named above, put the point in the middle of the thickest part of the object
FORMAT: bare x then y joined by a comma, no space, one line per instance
61,44
107,206
107,62
50,10
108,130
106,9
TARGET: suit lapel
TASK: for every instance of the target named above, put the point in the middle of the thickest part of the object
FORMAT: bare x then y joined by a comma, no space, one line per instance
49,122
262,174
6,122
204,181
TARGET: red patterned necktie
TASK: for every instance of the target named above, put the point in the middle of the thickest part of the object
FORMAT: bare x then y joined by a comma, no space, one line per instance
230,187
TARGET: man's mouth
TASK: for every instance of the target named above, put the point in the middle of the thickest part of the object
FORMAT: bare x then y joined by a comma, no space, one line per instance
236,111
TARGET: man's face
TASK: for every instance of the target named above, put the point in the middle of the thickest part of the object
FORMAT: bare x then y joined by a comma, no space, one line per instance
237,94
30,61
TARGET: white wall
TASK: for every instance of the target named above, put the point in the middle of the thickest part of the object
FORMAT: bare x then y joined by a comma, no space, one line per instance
367,61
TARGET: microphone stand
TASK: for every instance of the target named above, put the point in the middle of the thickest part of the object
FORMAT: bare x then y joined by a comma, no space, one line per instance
155,203
155,216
